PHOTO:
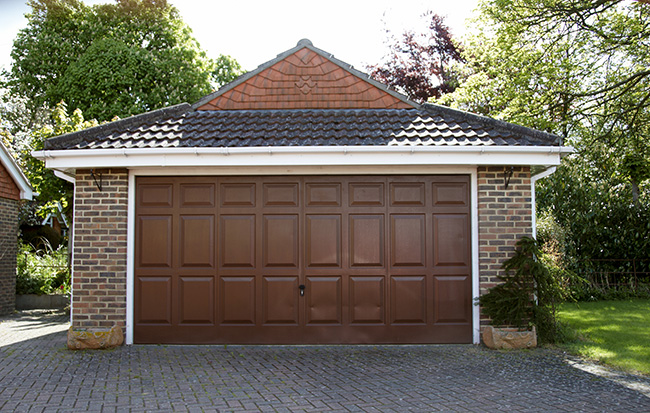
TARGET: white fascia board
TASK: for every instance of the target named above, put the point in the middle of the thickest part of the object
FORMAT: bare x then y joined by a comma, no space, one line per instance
307,156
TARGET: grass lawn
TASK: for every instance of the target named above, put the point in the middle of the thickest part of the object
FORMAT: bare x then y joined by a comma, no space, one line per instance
613,332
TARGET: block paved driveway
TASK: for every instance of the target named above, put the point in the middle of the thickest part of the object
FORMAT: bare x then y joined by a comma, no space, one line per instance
37,373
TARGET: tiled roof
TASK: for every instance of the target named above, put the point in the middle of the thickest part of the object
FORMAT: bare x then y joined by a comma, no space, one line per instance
181,126
304,77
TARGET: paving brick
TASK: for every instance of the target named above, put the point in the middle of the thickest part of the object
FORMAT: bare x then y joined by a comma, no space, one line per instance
37,373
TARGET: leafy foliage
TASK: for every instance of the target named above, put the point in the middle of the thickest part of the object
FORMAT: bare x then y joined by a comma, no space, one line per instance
529,294
50,188
579,69
226,70
603,225
42,271
419,65
111,59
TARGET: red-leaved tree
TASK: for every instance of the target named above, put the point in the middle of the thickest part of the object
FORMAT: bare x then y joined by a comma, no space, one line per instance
418,65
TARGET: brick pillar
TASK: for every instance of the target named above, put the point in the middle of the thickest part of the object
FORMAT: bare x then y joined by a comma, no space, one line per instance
8,250
99,257
505,215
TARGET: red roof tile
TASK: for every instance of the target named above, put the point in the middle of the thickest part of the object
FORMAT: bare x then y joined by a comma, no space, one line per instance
305,80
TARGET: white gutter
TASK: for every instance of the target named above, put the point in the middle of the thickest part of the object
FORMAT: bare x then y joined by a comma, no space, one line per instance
303,155
533,180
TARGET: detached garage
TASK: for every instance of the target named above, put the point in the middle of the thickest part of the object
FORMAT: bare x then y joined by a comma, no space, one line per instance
302,203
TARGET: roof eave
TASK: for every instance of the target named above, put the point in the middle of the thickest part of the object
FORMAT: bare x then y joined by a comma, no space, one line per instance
70,160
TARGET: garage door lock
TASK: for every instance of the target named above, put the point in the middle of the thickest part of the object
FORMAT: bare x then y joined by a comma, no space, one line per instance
302,290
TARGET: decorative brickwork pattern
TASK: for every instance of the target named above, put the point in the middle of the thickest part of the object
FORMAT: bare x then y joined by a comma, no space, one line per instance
8,188
8,246
305,80
505,215
99,259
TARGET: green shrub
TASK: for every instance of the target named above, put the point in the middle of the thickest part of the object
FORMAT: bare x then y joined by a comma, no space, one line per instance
43,271
528,295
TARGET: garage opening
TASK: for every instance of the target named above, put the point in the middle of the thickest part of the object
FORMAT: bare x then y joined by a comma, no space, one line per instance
303,260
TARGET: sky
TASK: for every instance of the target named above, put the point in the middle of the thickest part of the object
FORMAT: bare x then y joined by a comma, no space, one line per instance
256,31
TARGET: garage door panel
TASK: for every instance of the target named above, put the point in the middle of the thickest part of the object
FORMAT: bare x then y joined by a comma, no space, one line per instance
407,240
237,241
323,241
366,194
237,194
407,194
450,245
452,300
197,241
367,240
197,304
237,300
408,299
280,194
323,194
197,195
155,195
280,245
280,296
154,300
450,194
155,241
324,300
367,300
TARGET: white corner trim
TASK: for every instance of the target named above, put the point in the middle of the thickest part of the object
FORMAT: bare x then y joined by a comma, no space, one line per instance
130,259
303,156
533,199
64,176
16,173
472,171
476,311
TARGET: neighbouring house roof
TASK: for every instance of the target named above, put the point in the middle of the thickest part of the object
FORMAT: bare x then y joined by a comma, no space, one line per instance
304,98
15,173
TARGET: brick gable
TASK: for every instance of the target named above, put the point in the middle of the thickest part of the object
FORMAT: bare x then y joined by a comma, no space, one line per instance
8,188
305,80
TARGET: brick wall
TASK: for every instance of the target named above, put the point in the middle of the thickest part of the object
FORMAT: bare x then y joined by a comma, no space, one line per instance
505,215
99,258
8,246
8,188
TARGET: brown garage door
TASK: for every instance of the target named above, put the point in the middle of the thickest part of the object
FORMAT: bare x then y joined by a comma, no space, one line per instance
342,259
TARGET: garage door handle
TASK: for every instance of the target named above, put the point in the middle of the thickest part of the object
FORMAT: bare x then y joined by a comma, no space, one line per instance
302,290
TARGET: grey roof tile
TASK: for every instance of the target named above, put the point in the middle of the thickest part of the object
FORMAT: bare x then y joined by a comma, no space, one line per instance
182,126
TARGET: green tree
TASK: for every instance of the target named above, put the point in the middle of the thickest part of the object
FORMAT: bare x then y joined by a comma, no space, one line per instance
50,188
577,68
580,69
110,59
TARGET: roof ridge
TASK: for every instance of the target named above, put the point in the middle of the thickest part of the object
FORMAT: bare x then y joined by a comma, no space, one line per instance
74,138
304,43
511,127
